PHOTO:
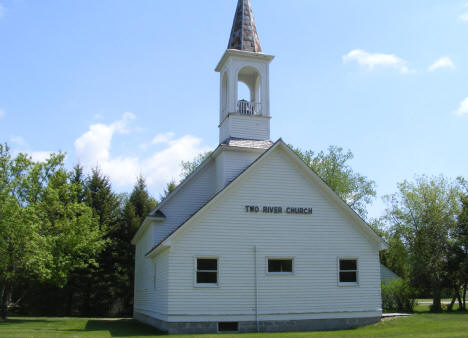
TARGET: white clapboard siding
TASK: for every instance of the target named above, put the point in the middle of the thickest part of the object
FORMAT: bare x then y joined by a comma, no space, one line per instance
248,127
193,195
230,163
315,242
151,297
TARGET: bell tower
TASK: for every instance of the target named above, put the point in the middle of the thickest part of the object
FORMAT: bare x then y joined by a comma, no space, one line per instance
245,118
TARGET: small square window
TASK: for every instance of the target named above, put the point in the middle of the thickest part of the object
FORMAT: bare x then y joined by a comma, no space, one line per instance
348,271
207,271
280,265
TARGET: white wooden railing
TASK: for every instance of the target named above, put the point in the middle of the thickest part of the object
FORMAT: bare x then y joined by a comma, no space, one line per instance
249,108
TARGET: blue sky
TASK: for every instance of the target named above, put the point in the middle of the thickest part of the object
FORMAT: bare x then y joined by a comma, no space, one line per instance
130,85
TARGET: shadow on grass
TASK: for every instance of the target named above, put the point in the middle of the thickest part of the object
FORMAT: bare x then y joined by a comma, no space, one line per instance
21,321
121,328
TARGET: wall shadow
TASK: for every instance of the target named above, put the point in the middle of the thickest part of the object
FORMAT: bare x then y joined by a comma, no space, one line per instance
122,328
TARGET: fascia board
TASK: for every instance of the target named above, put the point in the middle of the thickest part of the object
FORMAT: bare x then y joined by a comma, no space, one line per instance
157,251
242,54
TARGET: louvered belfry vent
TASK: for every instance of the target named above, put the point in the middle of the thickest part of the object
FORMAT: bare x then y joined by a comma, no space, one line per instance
244,34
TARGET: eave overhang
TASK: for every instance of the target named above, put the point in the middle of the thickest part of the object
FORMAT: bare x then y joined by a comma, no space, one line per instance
242,54
148,220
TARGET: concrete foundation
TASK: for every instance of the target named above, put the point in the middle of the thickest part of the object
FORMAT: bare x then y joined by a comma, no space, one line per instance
264,326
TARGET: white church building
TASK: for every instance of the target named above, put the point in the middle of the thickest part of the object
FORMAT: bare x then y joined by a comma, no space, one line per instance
253,240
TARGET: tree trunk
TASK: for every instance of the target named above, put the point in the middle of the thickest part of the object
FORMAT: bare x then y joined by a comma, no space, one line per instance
436,305
5,295
450,307
464,296
460,304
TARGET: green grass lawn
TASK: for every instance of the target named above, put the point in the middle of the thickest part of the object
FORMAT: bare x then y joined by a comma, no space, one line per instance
417,325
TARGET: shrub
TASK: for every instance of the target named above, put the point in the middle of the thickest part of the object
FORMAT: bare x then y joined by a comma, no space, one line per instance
397,296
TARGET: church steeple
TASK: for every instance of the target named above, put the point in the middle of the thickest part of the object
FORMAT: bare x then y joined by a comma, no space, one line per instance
244,34
240,117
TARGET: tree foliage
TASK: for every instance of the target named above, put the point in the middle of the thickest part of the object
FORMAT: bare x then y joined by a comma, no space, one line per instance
189,166
334,169
168,189
135,210
423,216
45,230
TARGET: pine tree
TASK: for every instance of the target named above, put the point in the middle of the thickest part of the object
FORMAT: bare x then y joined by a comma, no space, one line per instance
135,210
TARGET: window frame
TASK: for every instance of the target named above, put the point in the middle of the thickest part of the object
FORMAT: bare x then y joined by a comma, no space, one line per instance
293,265
347,284
195,271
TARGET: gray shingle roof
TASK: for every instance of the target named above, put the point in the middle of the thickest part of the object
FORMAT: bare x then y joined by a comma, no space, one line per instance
244,34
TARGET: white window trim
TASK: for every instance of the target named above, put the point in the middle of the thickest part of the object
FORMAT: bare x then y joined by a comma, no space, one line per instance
195,270
280,258
347,284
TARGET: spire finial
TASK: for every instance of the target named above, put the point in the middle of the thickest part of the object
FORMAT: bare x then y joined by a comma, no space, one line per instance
244,34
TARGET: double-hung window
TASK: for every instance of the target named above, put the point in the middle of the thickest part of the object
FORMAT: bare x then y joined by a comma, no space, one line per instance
348,271
206,272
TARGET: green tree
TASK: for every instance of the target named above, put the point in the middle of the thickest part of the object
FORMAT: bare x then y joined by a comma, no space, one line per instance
100,291
334,169
189,166
423,214
395,257
460,249
136,207
45,232
170,187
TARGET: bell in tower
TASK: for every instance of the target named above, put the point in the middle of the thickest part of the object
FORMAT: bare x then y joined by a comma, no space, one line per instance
244,63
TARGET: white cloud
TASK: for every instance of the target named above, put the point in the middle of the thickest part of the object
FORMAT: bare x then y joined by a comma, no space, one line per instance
93,146
163,138
443,62
2,113
164,165
19,141
40,156
93,149
22,146
463,109
464,16
373,60
2,11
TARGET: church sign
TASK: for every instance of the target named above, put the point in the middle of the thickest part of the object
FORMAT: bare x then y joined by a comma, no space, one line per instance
278,210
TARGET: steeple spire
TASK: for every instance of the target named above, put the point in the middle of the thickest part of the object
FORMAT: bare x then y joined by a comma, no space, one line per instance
244,34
